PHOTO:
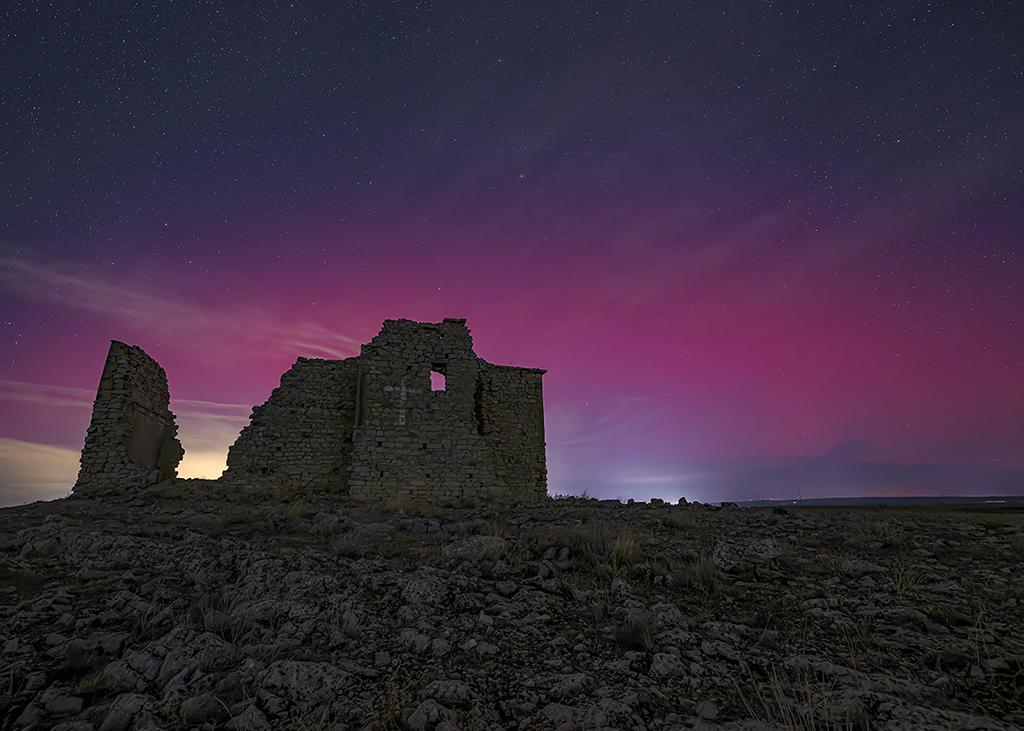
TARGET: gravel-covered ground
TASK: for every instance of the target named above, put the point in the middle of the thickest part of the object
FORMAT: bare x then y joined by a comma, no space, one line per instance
185,608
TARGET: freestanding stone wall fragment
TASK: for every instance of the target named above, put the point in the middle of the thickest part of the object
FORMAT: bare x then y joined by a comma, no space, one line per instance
302,435
381,426
132,438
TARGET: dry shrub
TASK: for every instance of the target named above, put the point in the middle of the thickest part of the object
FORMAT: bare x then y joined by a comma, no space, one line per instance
607,549
681,519
350,545
637,630
403,545
800,703
702,574
224,520
625,551
906,575
297,509
893,531
395,704
501,528
830,565
546,537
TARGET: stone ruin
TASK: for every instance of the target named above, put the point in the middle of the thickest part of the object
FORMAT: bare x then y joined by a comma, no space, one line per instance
416,415
132,439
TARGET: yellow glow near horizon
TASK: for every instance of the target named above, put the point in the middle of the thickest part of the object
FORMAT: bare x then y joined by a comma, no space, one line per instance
30,471
203,465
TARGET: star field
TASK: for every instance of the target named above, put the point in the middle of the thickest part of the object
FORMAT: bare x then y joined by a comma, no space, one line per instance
760,247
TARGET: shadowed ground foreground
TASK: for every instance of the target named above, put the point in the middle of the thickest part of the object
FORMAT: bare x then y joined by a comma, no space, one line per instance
173,611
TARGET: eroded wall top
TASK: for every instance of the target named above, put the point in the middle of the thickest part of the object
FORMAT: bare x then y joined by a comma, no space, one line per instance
132,437
415,416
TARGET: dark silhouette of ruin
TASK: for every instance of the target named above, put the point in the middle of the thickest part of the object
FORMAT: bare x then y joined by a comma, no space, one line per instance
415,415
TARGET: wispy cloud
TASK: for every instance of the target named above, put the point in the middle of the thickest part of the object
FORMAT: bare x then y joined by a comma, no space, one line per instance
181,405
309,338
30,472
66,284
27,470
669,479
45,394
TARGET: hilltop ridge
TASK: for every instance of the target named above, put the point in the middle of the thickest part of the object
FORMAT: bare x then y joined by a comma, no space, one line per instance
179,609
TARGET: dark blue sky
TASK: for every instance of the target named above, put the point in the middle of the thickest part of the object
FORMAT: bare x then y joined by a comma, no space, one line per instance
741,237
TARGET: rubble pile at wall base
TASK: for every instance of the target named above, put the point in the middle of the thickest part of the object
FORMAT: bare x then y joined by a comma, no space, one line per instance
184,608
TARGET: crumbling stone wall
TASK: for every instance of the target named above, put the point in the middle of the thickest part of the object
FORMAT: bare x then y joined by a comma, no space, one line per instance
302,436
372,426
442,445
510,416
132,438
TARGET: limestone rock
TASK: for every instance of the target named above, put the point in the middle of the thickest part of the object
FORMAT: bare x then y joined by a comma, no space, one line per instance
251,719
123,712
329,638
428,715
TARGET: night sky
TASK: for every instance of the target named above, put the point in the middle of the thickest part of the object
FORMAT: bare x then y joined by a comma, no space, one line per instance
763,249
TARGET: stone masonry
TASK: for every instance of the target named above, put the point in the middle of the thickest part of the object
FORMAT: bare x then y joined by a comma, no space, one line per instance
415,416
302,436
132,438
375,427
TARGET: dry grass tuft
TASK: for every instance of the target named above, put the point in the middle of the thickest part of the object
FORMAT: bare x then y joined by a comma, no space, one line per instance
605,550
637,631
702,574
297,509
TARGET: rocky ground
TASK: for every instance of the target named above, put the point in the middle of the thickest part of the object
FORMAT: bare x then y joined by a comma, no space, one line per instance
187,609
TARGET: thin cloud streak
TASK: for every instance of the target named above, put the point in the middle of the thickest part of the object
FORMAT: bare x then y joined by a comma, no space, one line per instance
208,406
30,471
185,322
45,394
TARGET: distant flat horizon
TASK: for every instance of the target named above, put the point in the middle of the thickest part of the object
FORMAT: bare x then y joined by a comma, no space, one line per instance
890,501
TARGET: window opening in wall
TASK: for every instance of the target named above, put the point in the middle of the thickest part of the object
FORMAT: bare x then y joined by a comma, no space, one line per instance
437,379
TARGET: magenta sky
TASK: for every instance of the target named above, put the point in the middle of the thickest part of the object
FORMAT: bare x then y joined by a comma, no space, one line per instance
763,251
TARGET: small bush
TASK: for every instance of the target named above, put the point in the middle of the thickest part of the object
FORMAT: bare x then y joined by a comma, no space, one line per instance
224,520
625,551
610,551
637,631
297,509
681,519
905,576
702,574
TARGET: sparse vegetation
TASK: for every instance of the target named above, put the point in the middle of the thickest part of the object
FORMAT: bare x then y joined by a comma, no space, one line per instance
669,607
637,631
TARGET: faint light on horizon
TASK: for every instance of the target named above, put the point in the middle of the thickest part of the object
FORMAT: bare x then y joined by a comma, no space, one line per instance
31,471
202,465
669,486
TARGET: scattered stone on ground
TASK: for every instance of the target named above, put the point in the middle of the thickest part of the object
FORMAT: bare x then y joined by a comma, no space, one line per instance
186,609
